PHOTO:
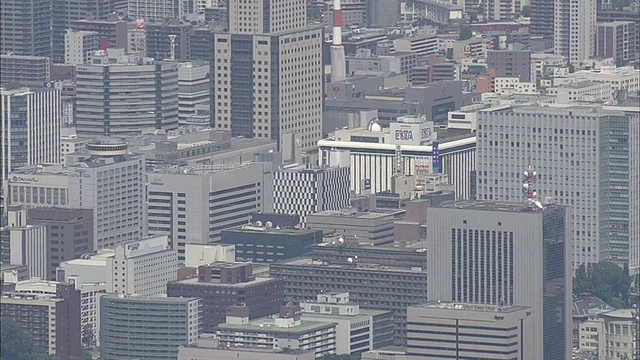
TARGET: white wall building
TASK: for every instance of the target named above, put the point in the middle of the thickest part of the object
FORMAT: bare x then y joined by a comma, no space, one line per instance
69,144
34,186
513,85
89,269
582,91
575,29
30,124
622,78
205,254
79,46
610,334
142,267
194,204
193,85
302,190
28,246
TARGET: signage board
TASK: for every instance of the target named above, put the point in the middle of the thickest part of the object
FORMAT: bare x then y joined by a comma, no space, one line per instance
410,134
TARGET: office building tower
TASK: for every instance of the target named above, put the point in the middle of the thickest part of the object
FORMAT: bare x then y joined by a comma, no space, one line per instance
468,331
30,122
267,74
69,233
194,204
25,27
65,13
617,40
30,71
194,90
133,327
142,267
52,321
383,14
25,244
568,146
228,286
510,63
111,182
506,254
114,30
160,41
79,46
125,97
265,243
634,203
574,26
302,190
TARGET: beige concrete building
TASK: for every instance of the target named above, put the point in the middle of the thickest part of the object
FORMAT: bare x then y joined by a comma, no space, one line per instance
439,330
268,74
208,348
581,91
374,228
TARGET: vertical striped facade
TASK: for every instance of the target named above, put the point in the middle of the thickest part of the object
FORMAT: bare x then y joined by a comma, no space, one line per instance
377,162
302,191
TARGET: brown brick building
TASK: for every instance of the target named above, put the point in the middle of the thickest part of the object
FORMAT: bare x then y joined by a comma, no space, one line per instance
223,286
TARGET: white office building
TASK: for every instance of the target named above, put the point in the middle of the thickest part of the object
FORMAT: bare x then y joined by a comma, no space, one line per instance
142,267
194,204
79,46
574,29
300,189
584,158
37,186
193,89
111,182
30,123
28,245
371,153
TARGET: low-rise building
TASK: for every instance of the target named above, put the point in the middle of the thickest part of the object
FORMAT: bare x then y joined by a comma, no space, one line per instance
610,334
581,91
209,348
264,243
372,228
205,254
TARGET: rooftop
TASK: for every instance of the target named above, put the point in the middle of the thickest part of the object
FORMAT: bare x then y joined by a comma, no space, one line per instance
268,325
378,213
486,205
258,228
256,281
309,262
470,307
149,299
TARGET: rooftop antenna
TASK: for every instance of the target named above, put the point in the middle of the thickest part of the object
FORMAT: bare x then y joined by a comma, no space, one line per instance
172,39
398,161
530,177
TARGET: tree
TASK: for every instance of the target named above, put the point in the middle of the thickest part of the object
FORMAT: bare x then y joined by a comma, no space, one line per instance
620,4
15,344
606,280
465,33
526,11
87,336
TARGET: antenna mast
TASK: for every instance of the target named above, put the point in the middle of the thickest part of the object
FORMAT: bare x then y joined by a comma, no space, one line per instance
398,170
530,177
172,39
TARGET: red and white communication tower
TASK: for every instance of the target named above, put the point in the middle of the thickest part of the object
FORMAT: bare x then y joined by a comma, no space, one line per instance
338,60
530,177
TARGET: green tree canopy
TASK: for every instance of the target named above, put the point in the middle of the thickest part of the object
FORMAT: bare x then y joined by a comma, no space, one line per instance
606,280
15,344
465,33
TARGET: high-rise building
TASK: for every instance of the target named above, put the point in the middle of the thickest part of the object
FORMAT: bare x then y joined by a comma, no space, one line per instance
634,204
194,90
51,320
34,71
302,190
267,74
111,182
30,122
159,43
79,46
126,97
510,63
69,233
136,327
574,26
506,254
584,156
385,13
502,9
156,10
468,331
114,30
194,204
142,267
229,286
27,244
25,27
617,40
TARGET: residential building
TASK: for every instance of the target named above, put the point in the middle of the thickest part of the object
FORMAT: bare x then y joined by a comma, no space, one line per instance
69,233
372,228
26,27
209,348
155,10
133,94
257,49
159,43
142,267
522,257
285,330
305,277
51,321
510,63
194,89
513,85
111,182
583,142
542,18
136,327
371,154
194,204
264,243
502,9
113,30
357,329
303,190
228,286
34,71
30,123
574,29
79,46
617,40
610,334
469,331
